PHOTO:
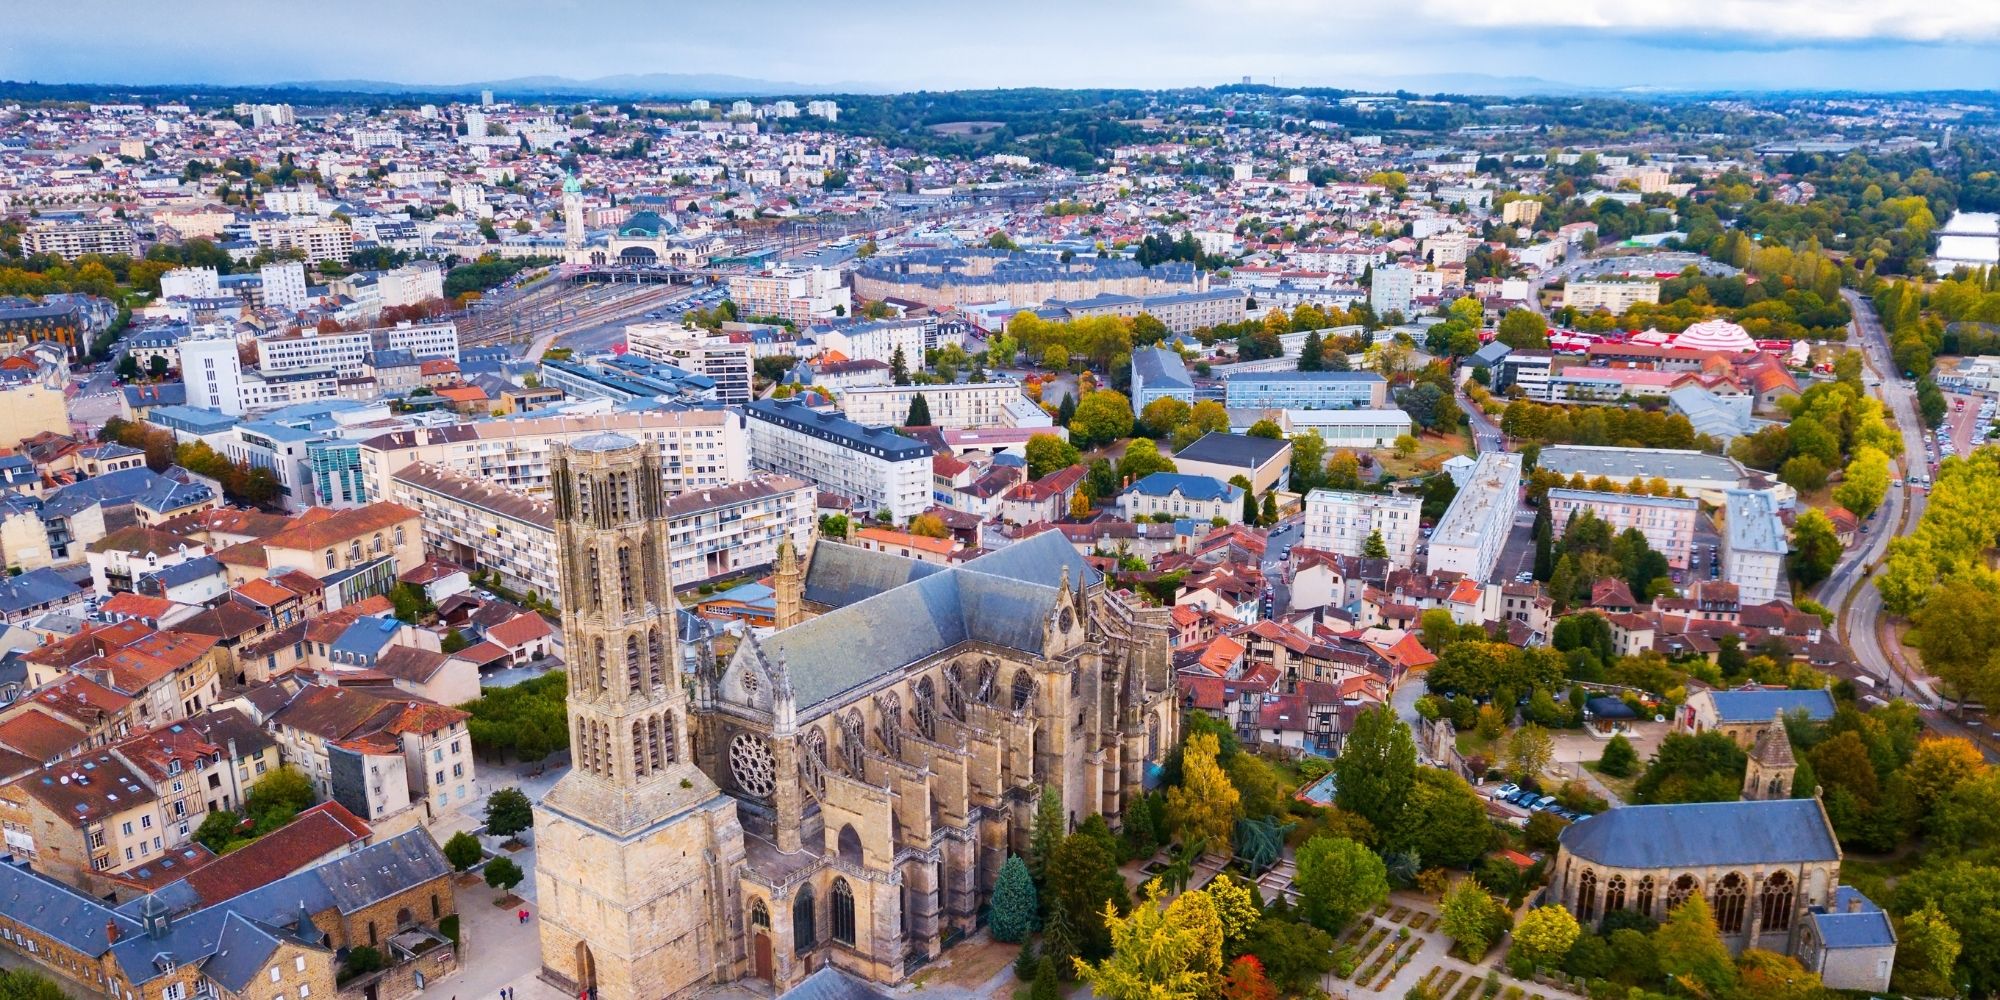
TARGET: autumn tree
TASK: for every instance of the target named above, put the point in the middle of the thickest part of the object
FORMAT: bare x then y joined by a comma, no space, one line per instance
1205,806
1338,879
1471,918
1160,951
1691,952
1047,453
1530,749
929,526
1102,416
1545,933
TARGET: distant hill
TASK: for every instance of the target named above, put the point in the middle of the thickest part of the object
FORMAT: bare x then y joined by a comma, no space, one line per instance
620,85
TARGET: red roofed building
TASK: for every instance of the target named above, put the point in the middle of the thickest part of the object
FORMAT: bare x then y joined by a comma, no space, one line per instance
396,762
316,836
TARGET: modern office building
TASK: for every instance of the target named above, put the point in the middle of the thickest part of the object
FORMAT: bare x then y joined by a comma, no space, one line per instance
1341,521
1469,536
875,468
961,406
1667,522
1348,428
1159,373
1754,546
1294,390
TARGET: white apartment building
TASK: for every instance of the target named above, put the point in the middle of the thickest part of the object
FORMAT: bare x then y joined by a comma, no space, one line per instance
1754,546
191,283
1667,522
718,532
725,359
699,449
347,353
213,374
1469,536
875,468
1342,522
376,138
1394,288
295,201
800,295
285,285
319,240
71,240
417,281
881,339
269,390
471,199
953,407
1613,296
829,110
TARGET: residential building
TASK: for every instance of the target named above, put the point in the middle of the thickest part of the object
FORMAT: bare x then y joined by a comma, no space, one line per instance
190,283
320,240
720,357
1159,373
875,468
1468,538
1341,522
800,295
1613,295
284,285
1754,546
1667,522
698,448
347,353
1182,495
70,240
957,406
1180,312
394,762
1282,390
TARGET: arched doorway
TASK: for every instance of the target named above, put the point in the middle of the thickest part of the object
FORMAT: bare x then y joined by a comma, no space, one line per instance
586,972
641,256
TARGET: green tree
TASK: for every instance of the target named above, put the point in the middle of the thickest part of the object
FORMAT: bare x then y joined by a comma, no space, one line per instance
1268,429
1619,760
1312,356
1470,918
1083,880
1103,416
1545,934
1259,787
1444,821
920,412
899,368
128,367
1160,951
277,797
1142,458
453,641
1703,767
1047,834
508,812
1522,328
1012,915
463,850
1048,985
1545,558
1270,512
1376,769
1691,952
218,830
1295,955
1338,879
1047,453
1163,416
1926,951
1815,547
1375,547
503,874
1530,749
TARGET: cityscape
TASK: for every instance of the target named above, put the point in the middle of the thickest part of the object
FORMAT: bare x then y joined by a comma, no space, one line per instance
968,528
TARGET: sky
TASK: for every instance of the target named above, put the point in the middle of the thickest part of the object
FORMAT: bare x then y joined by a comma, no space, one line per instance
948,44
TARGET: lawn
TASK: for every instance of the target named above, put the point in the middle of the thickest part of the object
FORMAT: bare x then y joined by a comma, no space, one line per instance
1432,450
1622,787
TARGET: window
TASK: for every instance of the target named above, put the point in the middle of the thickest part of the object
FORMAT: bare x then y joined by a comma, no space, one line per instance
843,912
174,991
305,990
126,829
146,822
1776,902
276,973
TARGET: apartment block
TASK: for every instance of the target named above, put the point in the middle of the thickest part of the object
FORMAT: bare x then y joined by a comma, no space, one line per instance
876,469
1754,546
699,448
1469,536
319,240
796,294
1667,522
954,407
347,353
1340,521
722,358
71,240
1614,296
1295,390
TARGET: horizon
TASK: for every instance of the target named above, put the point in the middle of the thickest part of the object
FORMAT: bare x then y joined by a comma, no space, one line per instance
897,46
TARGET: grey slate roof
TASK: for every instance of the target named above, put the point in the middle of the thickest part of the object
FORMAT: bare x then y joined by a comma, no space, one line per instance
32,589
1699,834
830,983
242,951
1002,598
1159,484
1760,706
54,909
841,574
1865,927
1237,450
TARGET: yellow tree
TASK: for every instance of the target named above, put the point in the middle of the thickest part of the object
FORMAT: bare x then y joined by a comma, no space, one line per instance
1938,766
1235,907
1079,505
1162,951
1206,805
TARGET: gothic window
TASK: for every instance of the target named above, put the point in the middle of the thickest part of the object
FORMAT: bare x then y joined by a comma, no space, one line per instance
634,666
843,912
596,583
667,752
1646,895
804,932
656,658
853,744
1614,894
656,754
1152,738
1067,620
923,708
639,748
1776,902
954,692
1730,898
749,682
1586,896
750,762
625,576
813,761
1679,892
889,724
989,678
603,667
1024,689
760,915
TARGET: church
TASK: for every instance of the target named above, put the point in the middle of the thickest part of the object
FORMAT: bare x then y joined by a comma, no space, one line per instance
841,793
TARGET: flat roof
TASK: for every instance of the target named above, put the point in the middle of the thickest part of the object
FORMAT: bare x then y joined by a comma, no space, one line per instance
1638,499
1484,497
1753,525
1620,464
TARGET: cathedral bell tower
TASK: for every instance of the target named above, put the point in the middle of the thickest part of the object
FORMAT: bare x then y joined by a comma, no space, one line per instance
631,840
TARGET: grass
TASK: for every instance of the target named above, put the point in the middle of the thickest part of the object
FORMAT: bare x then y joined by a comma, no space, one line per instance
1431,453
1622,787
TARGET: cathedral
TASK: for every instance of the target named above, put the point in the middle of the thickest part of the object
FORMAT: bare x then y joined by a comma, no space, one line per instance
842,792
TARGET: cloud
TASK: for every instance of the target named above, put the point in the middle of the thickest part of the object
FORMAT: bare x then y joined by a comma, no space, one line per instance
1744,22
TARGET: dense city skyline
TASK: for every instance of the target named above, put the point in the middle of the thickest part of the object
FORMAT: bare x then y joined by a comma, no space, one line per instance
1516,46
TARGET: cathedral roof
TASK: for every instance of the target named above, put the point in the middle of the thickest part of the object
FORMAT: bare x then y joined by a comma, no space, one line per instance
841,574
603,441
1704,834
1774,746
1002,598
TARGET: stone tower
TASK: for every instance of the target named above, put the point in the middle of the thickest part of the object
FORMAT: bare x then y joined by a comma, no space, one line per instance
1772,765
788,587
572,206
637,848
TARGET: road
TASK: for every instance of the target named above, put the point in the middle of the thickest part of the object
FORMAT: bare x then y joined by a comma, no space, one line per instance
1863,614
1282,537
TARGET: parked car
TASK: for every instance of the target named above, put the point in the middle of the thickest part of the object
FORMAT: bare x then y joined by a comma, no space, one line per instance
1507,789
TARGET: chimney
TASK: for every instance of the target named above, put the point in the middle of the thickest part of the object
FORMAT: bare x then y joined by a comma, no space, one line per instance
111,931
1854,903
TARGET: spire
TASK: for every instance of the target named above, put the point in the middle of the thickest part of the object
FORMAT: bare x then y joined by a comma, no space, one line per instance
1774,746
788,584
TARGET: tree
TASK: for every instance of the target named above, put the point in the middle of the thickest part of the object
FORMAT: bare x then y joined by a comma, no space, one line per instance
1047,453
128,367
1338,879
1703,767
1012,915
158,366
1079,505
1047,834
1866,482
1343,471
1268,429
1376,768
899,368
1294,955
1815,547
27,984
1444,821
503,874
1522,328
1308,461
1470,918
1926,951
1160,951
1163,416
1619,760
463,850
1246,981
1545,934
1055,357
1768,975
1270,514
1142,458
453,641
1958,628
1529,751
508,812
920,412
1312,355
1235,904
219,829
1047,984
929,526
1691,952
1083,881
1405,446
1938,767
1103,416
1544,830
1375,547
277,797
1205,806
1250,512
